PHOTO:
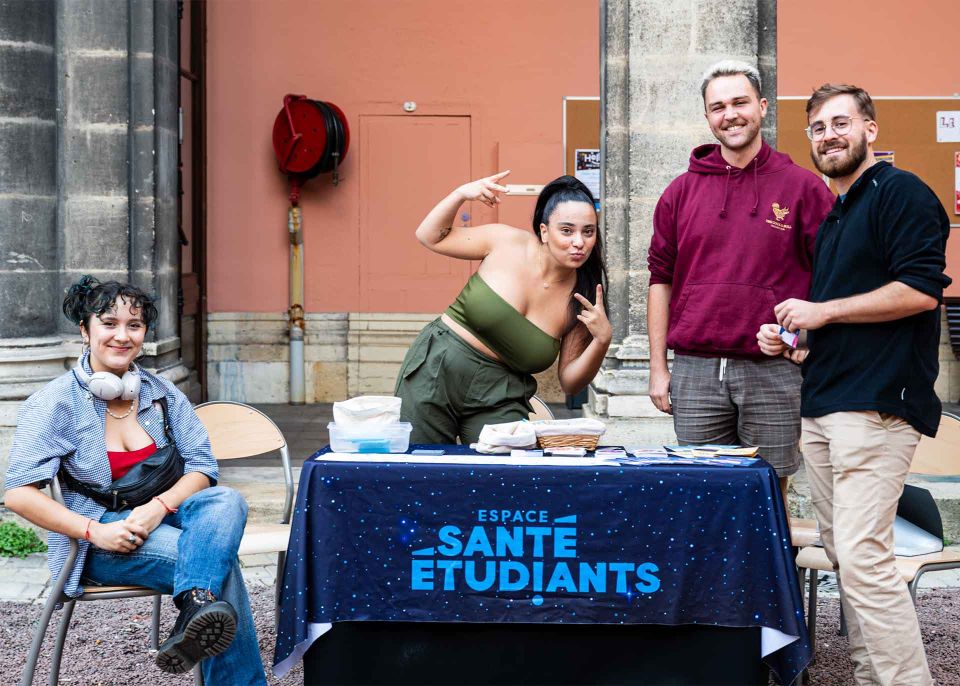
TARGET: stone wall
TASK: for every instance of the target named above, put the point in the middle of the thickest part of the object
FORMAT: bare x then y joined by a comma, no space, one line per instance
948,382
248,357
346,354
88,178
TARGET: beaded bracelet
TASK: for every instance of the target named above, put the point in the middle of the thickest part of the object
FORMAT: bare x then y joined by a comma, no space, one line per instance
170,510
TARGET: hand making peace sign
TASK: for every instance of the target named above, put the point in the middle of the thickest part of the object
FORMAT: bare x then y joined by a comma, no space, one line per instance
487,190
594,317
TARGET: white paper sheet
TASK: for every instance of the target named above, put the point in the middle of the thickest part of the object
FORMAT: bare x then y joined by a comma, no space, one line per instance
587,169
772,640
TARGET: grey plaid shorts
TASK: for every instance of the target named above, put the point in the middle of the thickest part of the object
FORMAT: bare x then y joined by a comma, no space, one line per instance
756,403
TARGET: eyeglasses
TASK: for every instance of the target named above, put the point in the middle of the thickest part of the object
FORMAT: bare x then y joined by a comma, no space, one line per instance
840,125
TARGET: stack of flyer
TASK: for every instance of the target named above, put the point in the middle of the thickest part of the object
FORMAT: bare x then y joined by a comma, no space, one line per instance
711,455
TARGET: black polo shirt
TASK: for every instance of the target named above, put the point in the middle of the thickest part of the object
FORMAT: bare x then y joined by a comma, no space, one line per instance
889,227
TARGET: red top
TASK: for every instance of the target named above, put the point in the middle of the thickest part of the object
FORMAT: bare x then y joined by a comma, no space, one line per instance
122,461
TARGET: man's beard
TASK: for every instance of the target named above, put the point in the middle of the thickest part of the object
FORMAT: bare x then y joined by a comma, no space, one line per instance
752,131
845,163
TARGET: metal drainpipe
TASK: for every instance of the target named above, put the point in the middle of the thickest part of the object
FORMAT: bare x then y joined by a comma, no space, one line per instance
295,313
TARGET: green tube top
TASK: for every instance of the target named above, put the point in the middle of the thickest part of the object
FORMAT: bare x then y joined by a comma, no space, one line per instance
519,343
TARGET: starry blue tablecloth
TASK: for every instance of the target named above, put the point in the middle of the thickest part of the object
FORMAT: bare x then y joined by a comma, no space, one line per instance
507,543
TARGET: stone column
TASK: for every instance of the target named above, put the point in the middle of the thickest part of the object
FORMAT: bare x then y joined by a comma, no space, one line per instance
653,53
118,155
153,140
88,177
767,64
31,352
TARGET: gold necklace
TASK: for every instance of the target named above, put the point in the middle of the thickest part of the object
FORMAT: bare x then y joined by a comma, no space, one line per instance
546,284
125,414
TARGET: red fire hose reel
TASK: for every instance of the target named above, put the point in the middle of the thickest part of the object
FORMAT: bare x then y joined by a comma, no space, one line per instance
310,137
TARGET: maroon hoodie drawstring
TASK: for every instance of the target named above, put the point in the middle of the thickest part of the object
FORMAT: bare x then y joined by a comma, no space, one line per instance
726,184
756,190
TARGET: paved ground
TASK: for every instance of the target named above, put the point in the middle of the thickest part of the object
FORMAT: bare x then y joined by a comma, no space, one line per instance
304,427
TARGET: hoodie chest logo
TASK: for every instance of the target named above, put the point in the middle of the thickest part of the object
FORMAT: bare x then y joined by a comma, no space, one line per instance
779,213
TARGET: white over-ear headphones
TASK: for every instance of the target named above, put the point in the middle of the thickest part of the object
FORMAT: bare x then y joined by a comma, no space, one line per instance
107,385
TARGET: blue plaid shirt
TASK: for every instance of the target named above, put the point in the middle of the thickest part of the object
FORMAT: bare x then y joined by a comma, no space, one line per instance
62,426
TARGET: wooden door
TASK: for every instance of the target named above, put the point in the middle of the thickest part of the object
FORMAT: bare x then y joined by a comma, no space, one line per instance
408,163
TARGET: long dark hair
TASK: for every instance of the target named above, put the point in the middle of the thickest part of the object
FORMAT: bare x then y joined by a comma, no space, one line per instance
89,297
593,272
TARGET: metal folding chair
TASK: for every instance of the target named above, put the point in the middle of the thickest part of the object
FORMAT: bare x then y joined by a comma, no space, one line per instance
236,431
540,409
57,597
938,456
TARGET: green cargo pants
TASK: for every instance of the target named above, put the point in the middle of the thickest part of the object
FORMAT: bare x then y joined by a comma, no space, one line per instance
450,390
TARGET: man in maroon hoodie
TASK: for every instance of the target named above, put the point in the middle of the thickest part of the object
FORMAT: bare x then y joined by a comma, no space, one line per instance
733,237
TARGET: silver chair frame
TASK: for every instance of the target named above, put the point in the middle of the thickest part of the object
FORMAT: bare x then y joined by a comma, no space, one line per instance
57,598
812,596
287,499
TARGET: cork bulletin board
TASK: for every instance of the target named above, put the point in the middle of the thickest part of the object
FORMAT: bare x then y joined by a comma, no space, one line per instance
581,128
908,130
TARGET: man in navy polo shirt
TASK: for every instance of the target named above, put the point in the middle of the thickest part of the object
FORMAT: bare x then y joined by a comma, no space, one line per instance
873,323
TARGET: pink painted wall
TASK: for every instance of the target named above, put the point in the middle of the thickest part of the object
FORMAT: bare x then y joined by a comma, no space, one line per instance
888,47
506,65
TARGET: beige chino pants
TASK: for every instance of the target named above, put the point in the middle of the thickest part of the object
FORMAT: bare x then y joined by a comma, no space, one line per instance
857,463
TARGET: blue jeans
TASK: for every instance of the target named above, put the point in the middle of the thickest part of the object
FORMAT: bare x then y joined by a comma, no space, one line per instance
194,548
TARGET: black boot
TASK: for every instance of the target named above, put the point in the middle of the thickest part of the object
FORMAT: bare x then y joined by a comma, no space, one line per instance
204,628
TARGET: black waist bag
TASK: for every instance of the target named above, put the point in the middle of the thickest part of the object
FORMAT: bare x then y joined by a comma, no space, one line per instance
148,478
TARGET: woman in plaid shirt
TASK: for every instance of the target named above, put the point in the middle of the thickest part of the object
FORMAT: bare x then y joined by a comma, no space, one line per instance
96,422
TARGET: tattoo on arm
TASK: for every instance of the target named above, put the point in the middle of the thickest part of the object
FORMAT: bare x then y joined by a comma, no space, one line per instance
444,232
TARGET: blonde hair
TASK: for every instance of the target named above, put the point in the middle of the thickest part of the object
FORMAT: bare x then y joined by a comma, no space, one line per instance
730,68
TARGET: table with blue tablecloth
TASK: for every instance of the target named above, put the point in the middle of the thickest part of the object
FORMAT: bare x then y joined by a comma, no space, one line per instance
583,542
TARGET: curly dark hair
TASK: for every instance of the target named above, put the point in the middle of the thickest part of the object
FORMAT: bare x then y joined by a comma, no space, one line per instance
89,297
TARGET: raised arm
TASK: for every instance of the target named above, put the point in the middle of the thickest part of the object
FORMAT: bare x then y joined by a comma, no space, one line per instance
438,233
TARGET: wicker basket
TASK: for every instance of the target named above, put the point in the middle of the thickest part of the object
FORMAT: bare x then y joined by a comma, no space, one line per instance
588,441
568,433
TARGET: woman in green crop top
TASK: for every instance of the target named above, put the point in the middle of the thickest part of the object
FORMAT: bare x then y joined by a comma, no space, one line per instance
536,295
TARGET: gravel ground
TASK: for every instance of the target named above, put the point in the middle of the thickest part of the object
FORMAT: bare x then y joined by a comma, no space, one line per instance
939,612
108,642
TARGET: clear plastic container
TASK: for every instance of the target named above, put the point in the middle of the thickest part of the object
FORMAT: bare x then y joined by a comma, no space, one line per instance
370,438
